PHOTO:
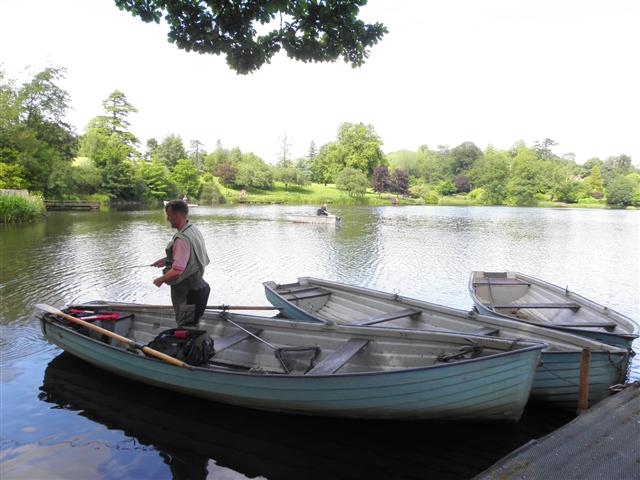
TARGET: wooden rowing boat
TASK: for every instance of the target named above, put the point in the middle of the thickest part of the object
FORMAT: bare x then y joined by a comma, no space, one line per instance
557,378
358,372
527,299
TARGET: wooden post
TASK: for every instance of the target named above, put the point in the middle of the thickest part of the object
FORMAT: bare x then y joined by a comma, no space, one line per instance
583,394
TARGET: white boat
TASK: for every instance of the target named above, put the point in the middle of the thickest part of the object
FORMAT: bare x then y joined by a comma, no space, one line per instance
557,379
527,299
188,204
355,372
323,219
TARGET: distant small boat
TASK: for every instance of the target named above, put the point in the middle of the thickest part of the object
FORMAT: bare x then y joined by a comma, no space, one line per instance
188,204
557,378
527,299
325,219
355,372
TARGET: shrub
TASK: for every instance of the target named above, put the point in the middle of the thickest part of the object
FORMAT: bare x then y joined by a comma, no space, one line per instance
15,208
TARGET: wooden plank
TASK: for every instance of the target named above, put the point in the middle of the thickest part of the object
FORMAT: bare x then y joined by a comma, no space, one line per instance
500,281
572,306
339,357
227,341
311,294
408,312
286,291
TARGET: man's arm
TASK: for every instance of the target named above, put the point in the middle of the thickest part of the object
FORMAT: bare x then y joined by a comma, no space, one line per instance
181,254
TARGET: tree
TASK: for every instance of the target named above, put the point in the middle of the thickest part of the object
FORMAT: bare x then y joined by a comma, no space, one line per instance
620,192
491,173
399,181
171,150
380,181
360,147
313,151
290,175
185,176
253,172
461,182
595,181
308,30
328,163
33,134
525,177
152,145
284,156
543,148
210,192
157,179
197,153
352,181
117,109
463,157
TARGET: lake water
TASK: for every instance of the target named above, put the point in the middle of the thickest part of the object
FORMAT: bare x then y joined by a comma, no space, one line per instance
62,418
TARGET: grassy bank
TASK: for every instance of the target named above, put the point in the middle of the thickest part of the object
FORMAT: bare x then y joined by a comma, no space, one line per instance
317,194
15,208
314,194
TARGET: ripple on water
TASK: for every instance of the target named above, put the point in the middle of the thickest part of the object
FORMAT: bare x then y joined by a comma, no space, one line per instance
18,342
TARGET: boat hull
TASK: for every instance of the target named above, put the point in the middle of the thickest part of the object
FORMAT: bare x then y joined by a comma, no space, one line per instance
516,288
557,378
492,388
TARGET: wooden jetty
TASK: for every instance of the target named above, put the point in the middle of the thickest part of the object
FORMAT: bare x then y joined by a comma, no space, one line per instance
71,205
600,443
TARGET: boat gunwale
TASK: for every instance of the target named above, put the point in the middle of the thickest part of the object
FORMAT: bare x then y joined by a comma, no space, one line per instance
559,290
531,346
270,285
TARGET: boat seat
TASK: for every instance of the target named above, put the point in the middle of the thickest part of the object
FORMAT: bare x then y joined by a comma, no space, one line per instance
572,306
500,281
339,357
607,325
227,341
485,331
311,293
385,317
294,289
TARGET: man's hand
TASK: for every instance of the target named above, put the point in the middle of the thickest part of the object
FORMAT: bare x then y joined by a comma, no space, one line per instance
159,263
158,281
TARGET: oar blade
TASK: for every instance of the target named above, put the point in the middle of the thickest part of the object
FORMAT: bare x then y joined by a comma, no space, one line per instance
47,308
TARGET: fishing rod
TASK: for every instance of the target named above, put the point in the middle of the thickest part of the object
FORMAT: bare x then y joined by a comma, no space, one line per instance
129,267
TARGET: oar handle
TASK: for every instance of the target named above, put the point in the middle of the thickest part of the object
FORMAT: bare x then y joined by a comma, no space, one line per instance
149,351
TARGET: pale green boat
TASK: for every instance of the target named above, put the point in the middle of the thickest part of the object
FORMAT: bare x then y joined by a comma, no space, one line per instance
557,379
355,372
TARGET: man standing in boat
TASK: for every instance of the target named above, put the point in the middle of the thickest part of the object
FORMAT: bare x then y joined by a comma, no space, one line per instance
184,263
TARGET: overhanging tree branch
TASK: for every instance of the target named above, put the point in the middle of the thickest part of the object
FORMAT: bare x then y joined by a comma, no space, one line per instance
308,30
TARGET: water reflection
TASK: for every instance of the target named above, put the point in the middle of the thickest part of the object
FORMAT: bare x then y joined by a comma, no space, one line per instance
423,252
194,437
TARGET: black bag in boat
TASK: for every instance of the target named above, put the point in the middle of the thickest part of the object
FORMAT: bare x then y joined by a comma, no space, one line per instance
192,346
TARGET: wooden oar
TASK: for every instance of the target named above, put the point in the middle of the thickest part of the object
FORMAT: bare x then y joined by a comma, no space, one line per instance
149,351
242,307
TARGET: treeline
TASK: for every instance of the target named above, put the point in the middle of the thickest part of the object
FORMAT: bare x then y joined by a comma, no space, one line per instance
40,152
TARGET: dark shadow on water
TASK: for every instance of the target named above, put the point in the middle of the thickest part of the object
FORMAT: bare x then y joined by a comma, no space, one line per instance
187,432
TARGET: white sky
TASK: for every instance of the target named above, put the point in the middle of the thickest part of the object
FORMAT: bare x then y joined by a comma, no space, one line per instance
490,72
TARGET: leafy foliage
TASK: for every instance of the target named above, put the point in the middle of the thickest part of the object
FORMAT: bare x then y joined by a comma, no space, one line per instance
33,135
186,178
352,181
315,30
621,192
380,181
